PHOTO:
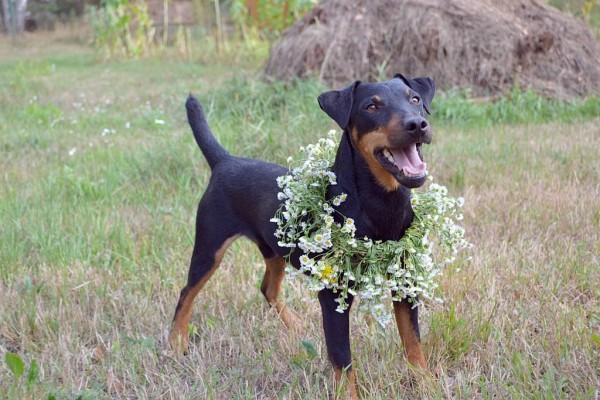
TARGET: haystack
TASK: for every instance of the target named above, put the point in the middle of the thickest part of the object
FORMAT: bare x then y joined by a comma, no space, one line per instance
490,46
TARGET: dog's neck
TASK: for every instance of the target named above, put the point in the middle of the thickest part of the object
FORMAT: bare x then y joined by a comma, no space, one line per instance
378,213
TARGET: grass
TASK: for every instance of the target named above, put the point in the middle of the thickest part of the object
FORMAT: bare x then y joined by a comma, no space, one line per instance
588,10
97,208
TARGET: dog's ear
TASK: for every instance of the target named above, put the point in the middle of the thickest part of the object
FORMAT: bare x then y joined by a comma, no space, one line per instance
424,86
338,104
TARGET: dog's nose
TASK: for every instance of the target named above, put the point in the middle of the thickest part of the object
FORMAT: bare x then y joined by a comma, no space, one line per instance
416,127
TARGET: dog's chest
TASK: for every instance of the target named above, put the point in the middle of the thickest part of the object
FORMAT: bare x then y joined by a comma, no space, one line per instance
379,218
388,225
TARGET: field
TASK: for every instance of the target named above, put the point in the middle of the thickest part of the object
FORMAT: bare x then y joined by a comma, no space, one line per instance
100,181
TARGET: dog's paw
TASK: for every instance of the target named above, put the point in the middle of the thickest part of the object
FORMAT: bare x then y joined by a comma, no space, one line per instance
291,320
178,342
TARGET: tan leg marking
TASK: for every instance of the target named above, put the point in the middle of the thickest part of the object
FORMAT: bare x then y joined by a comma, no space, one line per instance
350,381
178,337
271,288
412,345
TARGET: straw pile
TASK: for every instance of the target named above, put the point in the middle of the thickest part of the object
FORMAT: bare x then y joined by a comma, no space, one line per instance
490,46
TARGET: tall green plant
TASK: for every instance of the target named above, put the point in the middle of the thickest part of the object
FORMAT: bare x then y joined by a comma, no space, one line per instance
122,28
268,18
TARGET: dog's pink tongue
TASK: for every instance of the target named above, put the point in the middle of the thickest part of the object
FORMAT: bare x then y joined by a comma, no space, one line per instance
408,160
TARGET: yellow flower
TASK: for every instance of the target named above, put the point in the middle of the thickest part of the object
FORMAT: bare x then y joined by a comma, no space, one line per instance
327,271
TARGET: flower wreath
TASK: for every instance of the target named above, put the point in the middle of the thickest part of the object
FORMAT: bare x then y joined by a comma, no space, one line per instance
334,258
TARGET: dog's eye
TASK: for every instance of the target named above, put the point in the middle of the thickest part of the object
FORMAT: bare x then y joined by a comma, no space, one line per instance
371,107
415,100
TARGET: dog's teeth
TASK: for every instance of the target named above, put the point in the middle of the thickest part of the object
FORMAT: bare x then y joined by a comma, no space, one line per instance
387,154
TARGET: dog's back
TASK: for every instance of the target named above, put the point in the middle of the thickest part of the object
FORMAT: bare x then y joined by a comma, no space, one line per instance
241,191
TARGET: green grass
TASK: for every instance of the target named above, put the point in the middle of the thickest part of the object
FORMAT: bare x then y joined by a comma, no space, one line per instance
457,108
97,207
588,10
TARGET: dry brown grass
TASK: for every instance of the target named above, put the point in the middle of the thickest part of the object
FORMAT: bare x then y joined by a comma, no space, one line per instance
518,320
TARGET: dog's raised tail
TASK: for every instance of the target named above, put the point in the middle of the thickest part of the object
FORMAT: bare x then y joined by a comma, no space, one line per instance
212,150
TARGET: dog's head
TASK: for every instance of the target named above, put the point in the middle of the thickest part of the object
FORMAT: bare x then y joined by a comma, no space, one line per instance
387,125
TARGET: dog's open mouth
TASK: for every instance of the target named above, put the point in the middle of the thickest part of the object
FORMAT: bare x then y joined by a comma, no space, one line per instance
406,162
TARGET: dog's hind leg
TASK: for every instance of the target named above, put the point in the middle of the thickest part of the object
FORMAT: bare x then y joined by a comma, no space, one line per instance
407,320
271,288
206,257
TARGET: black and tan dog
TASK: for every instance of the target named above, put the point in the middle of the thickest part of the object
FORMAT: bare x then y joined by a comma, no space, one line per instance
378,160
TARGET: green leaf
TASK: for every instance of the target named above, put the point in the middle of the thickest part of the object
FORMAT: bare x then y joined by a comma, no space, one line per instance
596,339
15,364
310,348
33,373
149,343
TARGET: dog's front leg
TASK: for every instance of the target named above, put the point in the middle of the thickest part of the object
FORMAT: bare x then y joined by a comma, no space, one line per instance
337,338
407,320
